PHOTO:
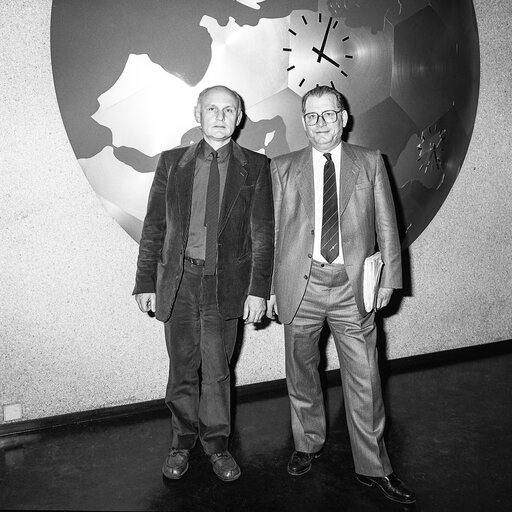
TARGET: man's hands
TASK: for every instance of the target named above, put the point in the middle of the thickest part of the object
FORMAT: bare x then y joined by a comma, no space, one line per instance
272,307
383,297
254,309
146,302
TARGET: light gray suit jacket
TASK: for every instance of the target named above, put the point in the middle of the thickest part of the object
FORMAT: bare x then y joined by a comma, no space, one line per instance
367,221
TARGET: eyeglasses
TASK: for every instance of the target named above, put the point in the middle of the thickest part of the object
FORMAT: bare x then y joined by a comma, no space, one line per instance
329,116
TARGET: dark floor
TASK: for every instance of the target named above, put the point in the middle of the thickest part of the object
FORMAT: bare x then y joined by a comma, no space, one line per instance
449,437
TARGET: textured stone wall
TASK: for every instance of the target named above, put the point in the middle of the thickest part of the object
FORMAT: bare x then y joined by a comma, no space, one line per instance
71,336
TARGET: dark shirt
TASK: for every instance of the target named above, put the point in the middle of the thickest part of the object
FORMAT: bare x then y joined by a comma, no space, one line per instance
197,229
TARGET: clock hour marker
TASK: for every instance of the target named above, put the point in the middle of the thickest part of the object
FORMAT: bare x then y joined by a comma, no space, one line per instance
320,52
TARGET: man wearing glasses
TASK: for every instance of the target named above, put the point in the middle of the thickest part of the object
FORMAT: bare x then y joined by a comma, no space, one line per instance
333,207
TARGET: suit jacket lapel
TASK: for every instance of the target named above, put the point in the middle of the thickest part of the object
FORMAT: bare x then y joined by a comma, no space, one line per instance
348,174
235,179
305,182
184,183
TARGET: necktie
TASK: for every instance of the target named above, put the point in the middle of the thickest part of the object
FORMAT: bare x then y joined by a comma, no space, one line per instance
329,247
212,217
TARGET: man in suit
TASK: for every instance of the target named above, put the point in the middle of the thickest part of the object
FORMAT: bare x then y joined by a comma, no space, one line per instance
332,207
205,260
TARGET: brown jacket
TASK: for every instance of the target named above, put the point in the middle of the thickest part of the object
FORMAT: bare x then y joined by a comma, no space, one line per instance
245,239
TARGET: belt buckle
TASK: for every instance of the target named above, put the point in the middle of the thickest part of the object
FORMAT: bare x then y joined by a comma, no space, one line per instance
195,261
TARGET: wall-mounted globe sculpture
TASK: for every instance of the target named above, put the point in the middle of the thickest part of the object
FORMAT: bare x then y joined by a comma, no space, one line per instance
127,74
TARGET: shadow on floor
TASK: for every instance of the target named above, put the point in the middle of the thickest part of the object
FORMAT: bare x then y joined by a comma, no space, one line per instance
449,436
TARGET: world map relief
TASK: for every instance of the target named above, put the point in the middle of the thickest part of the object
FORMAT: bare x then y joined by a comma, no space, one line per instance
127,76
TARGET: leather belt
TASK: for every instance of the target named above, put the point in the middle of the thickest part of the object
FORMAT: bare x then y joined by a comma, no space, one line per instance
195,261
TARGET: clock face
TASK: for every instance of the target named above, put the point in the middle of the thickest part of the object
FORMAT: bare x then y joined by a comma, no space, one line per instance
323,50
320,52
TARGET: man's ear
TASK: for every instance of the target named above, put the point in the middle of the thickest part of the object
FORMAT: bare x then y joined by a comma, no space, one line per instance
197,113
344,118
239,117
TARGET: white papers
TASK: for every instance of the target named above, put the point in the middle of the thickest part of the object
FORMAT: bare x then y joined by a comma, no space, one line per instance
371,277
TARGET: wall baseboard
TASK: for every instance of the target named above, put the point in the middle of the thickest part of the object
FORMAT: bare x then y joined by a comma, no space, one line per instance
249,392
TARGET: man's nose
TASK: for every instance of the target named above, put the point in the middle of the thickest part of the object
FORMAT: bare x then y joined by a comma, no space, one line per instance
220,115
321,120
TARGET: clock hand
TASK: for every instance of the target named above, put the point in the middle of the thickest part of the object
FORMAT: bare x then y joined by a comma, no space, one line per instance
324,42
327,58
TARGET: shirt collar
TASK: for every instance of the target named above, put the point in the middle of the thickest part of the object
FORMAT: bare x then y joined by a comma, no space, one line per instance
318,156
223,153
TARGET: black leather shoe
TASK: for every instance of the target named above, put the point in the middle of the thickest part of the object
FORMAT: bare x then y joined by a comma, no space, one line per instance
176,463
225,466
391,486
300,462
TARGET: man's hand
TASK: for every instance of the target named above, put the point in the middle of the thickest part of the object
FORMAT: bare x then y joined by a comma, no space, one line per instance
146,301
272,307
254,309
383,297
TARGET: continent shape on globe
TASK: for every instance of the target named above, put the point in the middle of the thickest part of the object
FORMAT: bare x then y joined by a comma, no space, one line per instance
127,77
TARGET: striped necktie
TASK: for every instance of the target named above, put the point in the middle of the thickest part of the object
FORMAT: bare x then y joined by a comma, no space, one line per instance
329,247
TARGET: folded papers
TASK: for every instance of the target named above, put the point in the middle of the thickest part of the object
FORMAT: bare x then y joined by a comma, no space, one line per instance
371,278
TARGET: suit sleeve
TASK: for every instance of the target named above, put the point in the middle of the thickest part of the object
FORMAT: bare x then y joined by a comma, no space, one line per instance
262,235
153,232
277,193
386,229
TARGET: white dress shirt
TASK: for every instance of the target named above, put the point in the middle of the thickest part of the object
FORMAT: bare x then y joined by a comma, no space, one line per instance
318,173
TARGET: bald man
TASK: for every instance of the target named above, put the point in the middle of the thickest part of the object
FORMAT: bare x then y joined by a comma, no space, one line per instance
205,260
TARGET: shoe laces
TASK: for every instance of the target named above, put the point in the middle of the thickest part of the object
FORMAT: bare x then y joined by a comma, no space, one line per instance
177,451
